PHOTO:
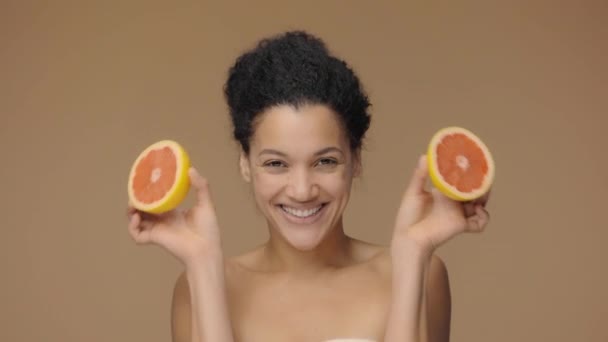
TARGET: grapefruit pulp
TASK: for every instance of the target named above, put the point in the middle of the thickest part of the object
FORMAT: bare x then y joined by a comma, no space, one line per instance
460,164
158,181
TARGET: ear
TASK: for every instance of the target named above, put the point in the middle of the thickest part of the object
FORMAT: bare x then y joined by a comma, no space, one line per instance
357,166
244,167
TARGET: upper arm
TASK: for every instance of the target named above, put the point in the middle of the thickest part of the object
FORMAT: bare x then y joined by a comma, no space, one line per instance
438,303
181,316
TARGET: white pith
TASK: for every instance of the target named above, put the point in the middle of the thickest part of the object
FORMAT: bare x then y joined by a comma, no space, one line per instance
462,162
155,176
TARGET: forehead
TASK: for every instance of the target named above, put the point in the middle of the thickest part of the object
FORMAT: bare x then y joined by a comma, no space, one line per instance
306,126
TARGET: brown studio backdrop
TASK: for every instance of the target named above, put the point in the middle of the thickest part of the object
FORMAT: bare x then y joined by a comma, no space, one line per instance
86,85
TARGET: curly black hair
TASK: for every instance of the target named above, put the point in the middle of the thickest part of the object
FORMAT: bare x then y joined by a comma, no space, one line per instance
294,68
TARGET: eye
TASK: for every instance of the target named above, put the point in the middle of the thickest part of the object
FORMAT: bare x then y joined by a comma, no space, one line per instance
327,162
274,164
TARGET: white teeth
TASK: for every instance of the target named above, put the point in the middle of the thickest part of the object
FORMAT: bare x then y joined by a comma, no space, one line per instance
301,213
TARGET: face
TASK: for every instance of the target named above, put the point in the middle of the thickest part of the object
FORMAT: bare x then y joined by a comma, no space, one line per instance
301,168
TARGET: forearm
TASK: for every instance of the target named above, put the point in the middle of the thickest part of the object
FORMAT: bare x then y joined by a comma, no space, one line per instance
409,265
209,301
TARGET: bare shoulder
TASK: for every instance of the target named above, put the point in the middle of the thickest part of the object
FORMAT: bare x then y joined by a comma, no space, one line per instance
180,310
437,271
381,258
437,281
437,285
181,289
368,253
435,322
247,261
438,302
438,297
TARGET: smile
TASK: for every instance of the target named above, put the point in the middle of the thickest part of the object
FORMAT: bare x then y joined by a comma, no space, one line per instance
302,215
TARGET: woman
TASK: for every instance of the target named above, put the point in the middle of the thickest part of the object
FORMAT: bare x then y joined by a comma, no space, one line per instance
300,116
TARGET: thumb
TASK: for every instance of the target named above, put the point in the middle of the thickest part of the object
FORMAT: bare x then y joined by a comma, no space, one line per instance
201,186
418,179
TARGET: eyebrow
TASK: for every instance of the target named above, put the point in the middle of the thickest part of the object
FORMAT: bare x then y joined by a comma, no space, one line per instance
284,155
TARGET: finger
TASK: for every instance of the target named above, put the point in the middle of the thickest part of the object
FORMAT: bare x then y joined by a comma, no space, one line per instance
478,222
483,200
134,221
148,217
130,211
418,179
144,217
139,229
469,206
201,186
134,228
469,209
483,214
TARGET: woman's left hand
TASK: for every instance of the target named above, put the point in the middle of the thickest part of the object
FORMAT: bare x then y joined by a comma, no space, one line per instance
430,219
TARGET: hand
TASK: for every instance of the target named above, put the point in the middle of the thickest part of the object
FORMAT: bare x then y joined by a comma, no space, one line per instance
430,219
187,234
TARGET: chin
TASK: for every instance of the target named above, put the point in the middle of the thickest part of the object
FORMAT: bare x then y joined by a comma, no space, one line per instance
303,239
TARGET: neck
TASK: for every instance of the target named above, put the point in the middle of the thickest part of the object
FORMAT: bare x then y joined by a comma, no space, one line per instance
333,252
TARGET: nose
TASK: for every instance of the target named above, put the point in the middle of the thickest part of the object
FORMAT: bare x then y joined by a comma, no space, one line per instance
302,186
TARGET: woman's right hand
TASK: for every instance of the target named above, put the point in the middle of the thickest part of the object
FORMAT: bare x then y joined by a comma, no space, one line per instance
187,234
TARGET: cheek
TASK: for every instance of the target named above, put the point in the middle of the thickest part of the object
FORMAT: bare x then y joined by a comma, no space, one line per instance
265,186
336,185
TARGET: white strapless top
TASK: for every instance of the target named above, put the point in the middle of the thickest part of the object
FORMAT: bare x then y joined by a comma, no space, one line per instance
349,340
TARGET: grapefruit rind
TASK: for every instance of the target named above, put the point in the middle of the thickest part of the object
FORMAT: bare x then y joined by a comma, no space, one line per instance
446,188
178,191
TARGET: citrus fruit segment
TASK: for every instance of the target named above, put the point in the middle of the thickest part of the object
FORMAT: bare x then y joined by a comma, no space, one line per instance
460,164
158,181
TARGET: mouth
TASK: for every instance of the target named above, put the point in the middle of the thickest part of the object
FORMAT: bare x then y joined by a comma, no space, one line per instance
302,216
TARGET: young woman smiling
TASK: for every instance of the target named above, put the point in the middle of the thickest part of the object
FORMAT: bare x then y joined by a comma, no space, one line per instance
300,117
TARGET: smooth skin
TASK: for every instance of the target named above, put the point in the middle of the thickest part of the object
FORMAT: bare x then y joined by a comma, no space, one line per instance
310,282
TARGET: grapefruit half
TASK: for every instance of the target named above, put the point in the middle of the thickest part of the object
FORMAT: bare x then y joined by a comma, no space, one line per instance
460,164
158,181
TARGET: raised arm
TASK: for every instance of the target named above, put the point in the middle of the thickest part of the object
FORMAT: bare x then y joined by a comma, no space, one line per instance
425,221
193,237
199,306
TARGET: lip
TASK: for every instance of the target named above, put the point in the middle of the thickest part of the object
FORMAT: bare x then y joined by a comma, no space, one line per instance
303,220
